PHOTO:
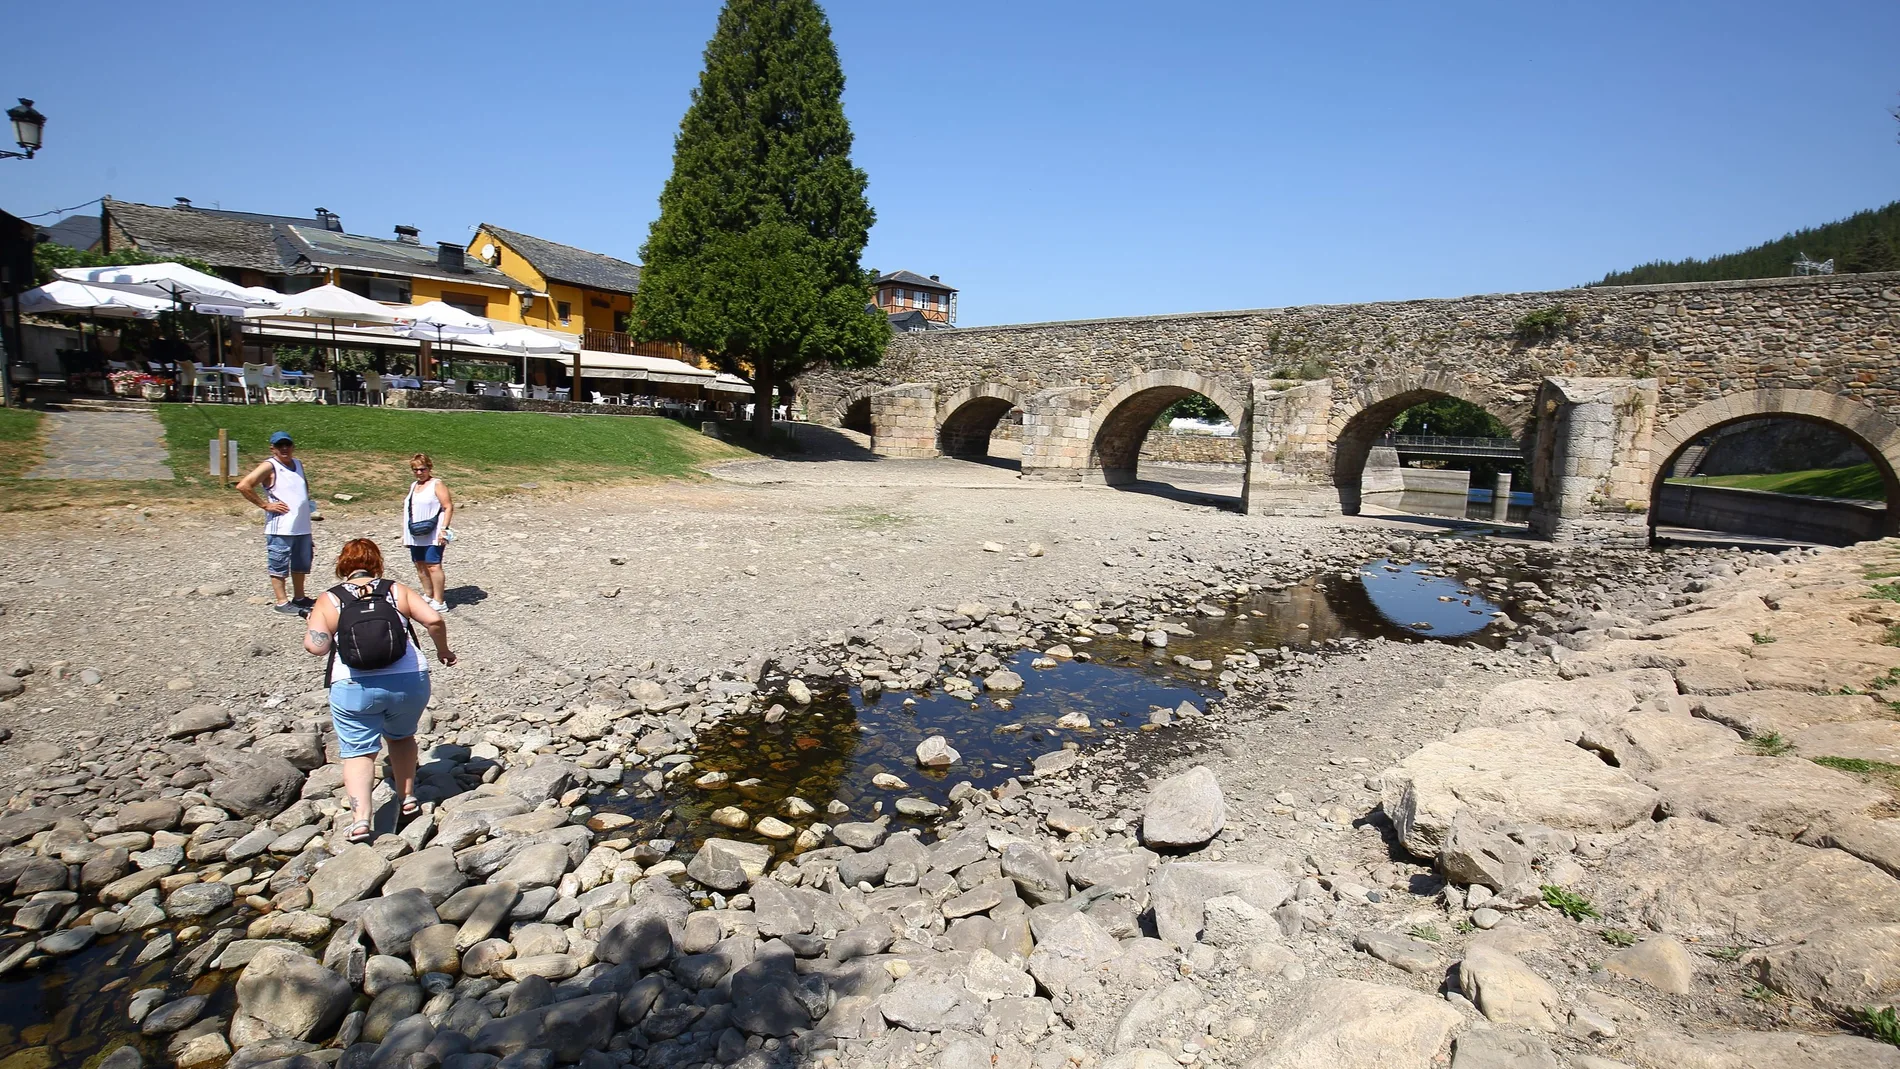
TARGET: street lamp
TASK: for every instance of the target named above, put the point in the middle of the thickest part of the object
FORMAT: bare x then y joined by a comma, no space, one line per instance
28,125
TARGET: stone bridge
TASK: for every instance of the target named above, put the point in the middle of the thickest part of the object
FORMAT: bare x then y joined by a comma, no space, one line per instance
1603,386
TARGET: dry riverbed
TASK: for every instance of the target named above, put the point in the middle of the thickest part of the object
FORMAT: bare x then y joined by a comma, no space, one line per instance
1597,839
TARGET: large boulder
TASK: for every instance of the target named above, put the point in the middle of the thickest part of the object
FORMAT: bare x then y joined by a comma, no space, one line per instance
249,784
1528,701
1506,990
292,994
1184,810
1690,878
569,1029
1350,1024
1840,970
765,994
1515,776
393,920
1780,796
432,871
1074,949
1747,1049
1182,889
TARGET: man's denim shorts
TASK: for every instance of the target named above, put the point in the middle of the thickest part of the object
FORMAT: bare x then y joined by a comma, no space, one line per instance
378,708
287,554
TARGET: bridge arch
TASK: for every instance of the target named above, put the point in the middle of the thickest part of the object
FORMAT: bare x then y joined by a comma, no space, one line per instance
1120,422
1877,436
1361,417
855,413
970,415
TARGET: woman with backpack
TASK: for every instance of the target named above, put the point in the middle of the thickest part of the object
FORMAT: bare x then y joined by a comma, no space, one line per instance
378,680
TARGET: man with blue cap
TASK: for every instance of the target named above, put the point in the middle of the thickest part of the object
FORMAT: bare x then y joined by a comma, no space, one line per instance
279,487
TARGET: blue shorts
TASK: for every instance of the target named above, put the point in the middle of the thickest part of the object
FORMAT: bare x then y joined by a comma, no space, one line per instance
426,554
378,708
285,555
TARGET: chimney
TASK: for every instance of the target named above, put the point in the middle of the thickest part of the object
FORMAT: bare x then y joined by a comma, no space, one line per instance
449,257
408,235
934,278
329,220
183,202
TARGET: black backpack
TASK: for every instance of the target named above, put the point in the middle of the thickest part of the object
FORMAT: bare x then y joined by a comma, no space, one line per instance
370,631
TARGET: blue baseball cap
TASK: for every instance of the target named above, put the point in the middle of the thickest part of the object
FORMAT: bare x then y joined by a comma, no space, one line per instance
280,438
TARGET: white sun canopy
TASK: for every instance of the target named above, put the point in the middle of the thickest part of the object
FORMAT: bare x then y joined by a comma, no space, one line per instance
335,303
174,282
648,368
436,320
63,296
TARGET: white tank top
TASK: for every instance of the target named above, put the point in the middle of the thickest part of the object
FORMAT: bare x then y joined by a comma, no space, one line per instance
289,486
410,661
421,504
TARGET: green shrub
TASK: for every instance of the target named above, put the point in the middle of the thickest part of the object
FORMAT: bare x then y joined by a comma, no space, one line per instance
1569,903
1546,324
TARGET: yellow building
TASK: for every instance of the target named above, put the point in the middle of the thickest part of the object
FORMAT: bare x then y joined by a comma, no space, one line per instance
567,289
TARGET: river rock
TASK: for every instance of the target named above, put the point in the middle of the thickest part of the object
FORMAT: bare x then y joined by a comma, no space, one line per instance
155,814
392,921
1839,970
936,752
1780,796
765,993
566,1029
1039,879
1184,811
1660,962
1002,681
197,720
1693,879
858,835
1074,949
538,865
547,777
1506,990
1472,854
643,935
293,994
303,749
348,876
1508,775
172,1016
1737,1049
1182,889
727,864
249,784
1350,1024
199,899
432,871
390,1007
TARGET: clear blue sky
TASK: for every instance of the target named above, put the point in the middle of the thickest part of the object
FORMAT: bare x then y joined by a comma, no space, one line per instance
1053,160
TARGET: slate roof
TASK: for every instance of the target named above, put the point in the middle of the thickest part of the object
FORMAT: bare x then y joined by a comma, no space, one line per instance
911,278
565,263
309,244
911,319
75,232
221,239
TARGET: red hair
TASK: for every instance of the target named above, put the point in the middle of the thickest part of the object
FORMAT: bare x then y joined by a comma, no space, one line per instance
359,555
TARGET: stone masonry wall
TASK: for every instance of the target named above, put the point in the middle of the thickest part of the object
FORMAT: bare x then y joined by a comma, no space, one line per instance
1699,341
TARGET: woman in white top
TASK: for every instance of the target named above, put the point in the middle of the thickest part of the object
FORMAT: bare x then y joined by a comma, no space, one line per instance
370,705
426,513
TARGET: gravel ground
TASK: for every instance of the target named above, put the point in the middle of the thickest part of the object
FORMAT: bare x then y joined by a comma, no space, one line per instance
167,606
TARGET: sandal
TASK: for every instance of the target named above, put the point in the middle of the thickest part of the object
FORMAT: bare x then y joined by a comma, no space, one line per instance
411,807
359,832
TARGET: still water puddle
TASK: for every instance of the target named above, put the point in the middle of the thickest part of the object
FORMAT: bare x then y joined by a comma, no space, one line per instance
69,1012
835,747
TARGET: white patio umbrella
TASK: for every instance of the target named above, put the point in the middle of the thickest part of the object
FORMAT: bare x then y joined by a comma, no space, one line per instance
334,304
175,282
62,296
438,322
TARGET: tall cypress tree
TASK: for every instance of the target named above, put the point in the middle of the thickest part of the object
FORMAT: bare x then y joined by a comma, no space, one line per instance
754,257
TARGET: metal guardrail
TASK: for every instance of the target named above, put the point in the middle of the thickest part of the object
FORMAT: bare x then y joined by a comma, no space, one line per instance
1448,445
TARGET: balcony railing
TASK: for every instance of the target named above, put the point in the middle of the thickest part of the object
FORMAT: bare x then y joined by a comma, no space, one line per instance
613,341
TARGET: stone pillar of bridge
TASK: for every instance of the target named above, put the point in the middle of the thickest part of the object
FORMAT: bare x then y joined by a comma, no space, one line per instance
1056,433
904,421
1590,472
1288,455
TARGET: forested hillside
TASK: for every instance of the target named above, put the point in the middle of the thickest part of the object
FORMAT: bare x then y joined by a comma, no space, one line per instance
1867,241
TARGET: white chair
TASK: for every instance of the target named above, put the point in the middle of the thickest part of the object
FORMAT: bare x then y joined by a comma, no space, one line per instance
493,389
538,393
325,384
517,390
457,386
599,398
255,379
373,387
560,393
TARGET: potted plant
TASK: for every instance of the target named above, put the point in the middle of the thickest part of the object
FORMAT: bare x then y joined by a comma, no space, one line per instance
126,383
154,389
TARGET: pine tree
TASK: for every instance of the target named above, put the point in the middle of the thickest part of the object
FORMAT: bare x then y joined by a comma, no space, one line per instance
1872,253
754,257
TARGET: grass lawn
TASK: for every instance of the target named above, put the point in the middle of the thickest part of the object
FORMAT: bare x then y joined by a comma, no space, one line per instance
19,441
1860,481
365,451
